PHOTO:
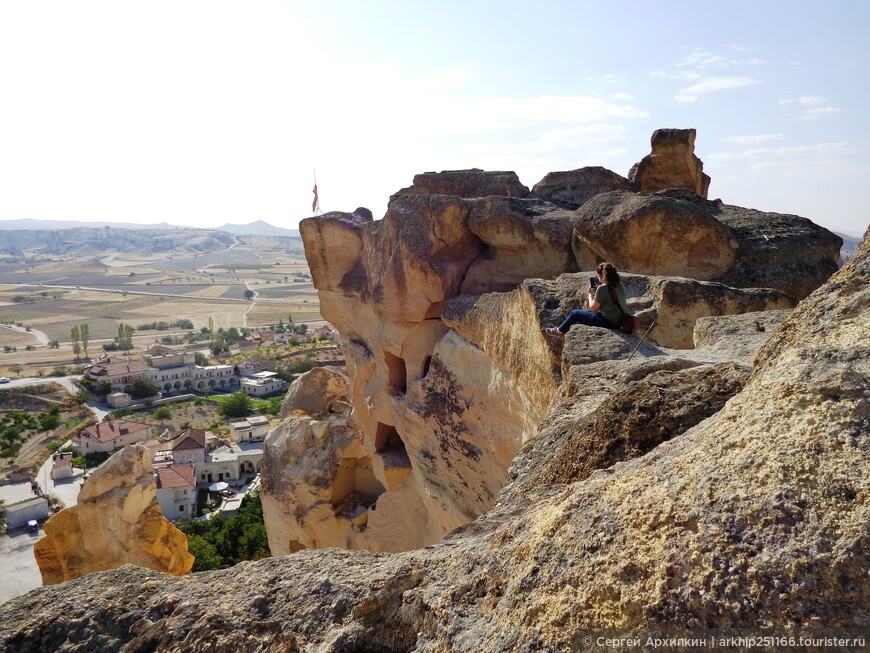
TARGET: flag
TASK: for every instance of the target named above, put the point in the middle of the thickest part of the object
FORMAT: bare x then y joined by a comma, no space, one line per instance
315,202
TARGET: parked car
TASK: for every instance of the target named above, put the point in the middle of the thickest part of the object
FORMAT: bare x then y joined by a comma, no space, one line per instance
33,526
4,379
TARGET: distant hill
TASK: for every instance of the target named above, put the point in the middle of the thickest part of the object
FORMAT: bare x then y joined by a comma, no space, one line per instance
257,228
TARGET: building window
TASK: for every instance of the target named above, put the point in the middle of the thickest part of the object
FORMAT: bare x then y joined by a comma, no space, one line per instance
181,508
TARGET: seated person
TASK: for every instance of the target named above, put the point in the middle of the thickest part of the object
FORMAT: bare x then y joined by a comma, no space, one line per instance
604,311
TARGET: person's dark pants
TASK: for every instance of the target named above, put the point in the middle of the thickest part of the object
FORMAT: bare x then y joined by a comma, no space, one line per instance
579,316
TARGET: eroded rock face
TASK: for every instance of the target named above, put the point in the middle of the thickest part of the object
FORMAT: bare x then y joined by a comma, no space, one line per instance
315,391
755,517
573,188
678,233
467,183
671,164
117,521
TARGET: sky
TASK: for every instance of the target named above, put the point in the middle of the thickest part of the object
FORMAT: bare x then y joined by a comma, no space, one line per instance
202,113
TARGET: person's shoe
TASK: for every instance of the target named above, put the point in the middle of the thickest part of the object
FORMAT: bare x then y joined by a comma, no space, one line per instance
553,331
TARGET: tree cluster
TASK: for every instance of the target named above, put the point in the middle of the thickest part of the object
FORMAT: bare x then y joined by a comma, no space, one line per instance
222,541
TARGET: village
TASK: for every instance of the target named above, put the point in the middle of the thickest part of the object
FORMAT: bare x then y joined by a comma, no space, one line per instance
200,471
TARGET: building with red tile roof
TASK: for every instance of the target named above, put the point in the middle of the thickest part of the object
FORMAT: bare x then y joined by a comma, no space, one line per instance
111,435
176,491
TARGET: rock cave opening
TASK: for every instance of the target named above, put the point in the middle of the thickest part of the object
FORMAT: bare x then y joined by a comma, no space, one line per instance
392,465
397,374
355,484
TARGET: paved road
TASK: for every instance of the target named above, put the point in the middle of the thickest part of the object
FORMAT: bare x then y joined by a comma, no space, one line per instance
20,573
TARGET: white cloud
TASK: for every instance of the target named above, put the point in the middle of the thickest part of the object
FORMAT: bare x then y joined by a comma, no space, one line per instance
819,107
713,85
622,97
818,151
753,139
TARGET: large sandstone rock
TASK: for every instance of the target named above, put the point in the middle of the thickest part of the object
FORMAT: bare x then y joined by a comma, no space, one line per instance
341,235
677,233
410,262
671,164
523,238
754,518
656,234
571,189
466,183
315,391
117,521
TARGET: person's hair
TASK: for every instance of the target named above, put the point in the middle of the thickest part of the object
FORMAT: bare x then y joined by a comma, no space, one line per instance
609,273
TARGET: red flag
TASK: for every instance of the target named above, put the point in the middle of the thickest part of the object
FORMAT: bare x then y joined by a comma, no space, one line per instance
315,202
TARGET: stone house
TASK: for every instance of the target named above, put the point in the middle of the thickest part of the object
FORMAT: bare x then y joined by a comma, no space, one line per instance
110,435
252,429
188,447
263,383
230,463
176,490
61,467
117,370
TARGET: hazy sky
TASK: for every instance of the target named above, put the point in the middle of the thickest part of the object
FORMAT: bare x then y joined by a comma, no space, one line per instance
202,113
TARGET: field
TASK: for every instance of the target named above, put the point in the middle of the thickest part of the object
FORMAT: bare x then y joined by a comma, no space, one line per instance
52,294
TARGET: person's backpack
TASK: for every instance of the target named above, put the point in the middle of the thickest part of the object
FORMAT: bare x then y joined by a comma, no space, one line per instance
629,322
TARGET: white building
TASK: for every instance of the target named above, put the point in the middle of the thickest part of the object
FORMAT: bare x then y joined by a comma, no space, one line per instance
188,376
254,428
230,463
263,383
110,435
22,504
176,491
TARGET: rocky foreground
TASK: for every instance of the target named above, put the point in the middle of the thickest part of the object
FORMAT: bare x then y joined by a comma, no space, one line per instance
755,516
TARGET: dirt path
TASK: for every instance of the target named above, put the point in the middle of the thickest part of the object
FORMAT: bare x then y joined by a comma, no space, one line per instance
39,335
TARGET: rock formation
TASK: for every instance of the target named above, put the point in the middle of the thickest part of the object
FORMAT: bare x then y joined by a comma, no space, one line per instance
671,164
440,306
117,521
677,233
752,515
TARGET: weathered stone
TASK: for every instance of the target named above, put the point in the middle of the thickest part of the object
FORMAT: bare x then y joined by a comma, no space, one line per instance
678,303
341,235
677,233
522,238
572,188
656,234
117,521
413,260
737,337
315,391
466,183
671,164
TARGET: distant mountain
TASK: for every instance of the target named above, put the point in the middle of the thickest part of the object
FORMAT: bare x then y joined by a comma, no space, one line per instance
34,225
259,228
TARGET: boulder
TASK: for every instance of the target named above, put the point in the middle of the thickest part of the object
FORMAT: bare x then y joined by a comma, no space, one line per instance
466,183
341,235
410,262
736,337
677,233
671,164
117,521
522,238
571,189
656,234
678,303
315,391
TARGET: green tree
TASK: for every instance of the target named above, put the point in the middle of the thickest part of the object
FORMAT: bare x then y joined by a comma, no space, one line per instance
18,369
162,413
238,404
249,294
211,328
141,388
82,397
200,359
85,334
48,421
75,336
205,555
125,336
